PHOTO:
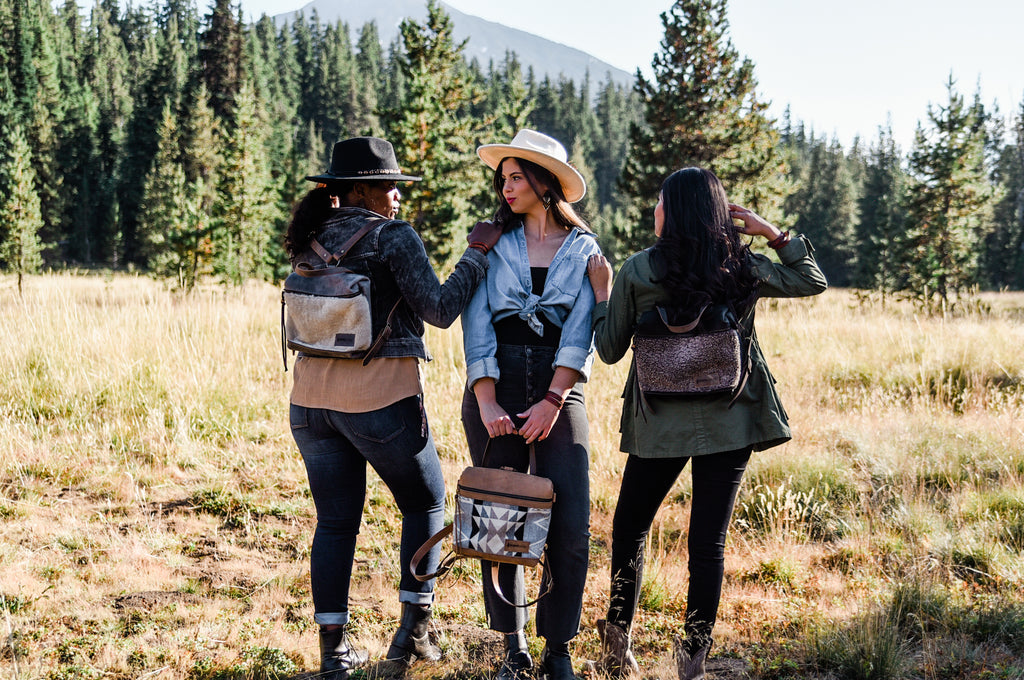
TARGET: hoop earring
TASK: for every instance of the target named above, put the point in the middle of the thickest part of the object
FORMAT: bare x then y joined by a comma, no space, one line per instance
546,200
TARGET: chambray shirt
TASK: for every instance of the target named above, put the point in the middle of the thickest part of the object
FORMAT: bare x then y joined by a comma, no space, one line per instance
567,301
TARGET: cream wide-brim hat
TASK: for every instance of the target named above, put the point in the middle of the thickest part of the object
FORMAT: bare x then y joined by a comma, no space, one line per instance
546,152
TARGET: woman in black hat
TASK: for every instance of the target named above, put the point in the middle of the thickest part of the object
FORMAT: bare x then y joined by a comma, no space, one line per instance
345,414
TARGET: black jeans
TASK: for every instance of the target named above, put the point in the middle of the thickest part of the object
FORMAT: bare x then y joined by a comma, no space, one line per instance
645,483
564,458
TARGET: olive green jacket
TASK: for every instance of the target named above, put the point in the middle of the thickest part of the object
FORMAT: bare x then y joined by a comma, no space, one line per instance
673,427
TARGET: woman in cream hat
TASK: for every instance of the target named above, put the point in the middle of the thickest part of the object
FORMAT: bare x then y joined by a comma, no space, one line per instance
528,346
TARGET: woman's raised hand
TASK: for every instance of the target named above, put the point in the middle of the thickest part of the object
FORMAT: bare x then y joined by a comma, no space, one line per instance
753,224
600,273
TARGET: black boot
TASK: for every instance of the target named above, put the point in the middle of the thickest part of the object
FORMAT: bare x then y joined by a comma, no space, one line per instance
517,663
337,658
412,641
555,662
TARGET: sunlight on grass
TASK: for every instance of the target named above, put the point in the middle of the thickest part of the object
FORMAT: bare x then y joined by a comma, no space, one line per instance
154,512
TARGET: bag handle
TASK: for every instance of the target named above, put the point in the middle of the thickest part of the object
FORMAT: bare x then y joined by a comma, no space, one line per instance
685,328
533,456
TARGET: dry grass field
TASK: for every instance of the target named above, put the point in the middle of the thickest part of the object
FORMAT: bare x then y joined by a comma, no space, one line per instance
155,520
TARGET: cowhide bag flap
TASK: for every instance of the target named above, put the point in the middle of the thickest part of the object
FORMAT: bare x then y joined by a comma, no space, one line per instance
702,357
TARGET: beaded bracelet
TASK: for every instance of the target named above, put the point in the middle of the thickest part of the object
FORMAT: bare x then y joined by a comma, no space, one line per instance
553,398
779,241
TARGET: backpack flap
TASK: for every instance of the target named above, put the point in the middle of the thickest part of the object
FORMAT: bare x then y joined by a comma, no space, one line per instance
328,311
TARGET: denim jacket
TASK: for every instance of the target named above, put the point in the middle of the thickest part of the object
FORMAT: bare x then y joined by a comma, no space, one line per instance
393,257
567,301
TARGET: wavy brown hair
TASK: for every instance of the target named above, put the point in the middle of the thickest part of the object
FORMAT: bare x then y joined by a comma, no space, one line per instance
544,183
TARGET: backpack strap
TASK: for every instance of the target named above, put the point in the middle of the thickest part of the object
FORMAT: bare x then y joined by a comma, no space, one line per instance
333,258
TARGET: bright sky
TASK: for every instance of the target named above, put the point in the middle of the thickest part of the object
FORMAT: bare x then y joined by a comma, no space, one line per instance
843,68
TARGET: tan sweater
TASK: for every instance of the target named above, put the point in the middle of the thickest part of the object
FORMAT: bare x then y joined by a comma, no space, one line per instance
346,385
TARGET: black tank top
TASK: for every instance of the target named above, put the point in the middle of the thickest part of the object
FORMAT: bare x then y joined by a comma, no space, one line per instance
515,331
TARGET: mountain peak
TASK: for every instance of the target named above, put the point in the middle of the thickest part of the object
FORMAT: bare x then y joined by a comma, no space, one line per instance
487,40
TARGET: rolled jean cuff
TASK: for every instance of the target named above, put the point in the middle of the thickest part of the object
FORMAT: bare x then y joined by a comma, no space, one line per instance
411,597
331,618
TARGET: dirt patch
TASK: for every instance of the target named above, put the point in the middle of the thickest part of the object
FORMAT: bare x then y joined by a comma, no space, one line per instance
154,599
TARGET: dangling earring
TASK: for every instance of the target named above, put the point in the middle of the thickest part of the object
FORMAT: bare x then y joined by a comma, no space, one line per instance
546,200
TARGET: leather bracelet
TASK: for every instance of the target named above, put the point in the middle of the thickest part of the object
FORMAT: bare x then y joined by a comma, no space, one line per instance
552,398
779,241
481,246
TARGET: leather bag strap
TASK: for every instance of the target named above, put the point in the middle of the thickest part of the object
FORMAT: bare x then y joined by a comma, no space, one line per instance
492,575
445,564
685,328
384,334
533,456
334,258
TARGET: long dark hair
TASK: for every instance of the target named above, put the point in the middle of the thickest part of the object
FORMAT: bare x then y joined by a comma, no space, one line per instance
544,183
699,257
310,213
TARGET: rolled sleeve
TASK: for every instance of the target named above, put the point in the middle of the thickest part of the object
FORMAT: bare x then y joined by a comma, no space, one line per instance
478,339
797,276
484,368
576,349
580,360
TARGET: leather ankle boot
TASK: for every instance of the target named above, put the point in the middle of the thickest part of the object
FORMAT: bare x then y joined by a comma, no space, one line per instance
616,656
691,658
412,640
517,663
337,657
555,662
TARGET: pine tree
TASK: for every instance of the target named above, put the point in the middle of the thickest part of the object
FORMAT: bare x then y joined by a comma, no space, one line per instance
106,69
949,203
246,214
431,139
701,109
20,215
825,209
163,226
221,55
370,86
336,79
1003,257
881,216
616,110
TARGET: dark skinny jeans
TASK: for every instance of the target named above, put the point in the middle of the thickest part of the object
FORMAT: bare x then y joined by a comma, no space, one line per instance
645,483
336,447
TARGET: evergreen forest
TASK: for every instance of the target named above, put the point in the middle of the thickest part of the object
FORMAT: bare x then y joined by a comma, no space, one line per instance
173,139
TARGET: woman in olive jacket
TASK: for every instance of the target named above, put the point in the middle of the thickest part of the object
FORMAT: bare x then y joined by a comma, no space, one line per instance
698,259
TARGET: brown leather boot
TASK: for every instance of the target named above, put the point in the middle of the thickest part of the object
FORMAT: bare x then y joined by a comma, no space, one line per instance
616,656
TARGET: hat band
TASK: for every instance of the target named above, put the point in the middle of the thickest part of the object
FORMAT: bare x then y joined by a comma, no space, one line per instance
373,172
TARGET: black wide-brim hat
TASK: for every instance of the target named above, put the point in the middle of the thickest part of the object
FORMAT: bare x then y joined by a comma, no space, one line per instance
363,158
